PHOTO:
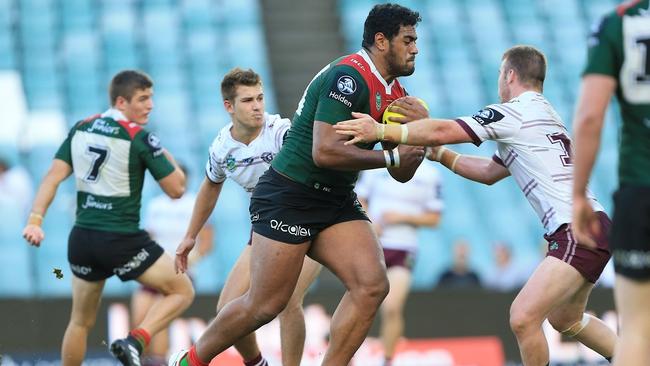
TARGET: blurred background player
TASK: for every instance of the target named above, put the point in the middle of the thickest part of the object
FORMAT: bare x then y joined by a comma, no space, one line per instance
165,219
619,62
534,147
16,187
459,274
108,155
243,151
306,203
506,274
397,210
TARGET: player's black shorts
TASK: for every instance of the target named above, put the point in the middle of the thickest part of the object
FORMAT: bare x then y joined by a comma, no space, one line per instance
95,255
630,236
293,213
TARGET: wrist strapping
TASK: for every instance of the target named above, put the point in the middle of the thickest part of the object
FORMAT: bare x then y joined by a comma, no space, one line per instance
392,158
453,163
441,150
405,134
35,219
380,129
396,156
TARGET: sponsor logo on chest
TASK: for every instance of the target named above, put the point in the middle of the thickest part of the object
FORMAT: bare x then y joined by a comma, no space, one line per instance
91,202
102,126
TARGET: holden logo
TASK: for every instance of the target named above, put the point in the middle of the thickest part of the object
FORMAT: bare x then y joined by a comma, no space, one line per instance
346,85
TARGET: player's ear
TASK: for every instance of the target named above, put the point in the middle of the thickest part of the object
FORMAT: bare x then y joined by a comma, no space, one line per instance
512,76
230,107
120,103
381,42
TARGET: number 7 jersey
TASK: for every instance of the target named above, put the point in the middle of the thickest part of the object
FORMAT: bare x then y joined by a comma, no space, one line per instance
535,147
109,156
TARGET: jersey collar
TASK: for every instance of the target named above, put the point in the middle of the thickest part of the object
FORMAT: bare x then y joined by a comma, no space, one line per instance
527,95
373,69
114,114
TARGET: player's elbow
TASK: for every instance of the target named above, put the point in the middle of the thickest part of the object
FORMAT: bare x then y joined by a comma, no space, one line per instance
176,192
173,185
402,175
323,156
488,181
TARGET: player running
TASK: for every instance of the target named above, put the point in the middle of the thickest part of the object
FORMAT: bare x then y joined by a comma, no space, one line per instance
533,147
305,203
619,62
243,151
108,155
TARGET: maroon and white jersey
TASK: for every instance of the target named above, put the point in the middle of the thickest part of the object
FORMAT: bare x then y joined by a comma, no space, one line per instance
421,194
534,145
243,163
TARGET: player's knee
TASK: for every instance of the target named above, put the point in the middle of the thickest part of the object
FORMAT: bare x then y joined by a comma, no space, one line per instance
292,310
522,321
376,291
391,310
84,323
184,290
266,311
570,326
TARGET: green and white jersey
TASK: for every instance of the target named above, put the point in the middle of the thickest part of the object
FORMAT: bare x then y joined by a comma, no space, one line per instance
620,47
348,84
109,156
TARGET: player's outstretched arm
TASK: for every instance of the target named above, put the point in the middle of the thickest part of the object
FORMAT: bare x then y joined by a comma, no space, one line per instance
476,168
423,132
596,91
59,170
206,199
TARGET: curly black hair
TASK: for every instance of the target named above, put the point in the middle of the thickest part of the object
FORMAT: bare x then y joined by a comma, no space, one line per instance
387,19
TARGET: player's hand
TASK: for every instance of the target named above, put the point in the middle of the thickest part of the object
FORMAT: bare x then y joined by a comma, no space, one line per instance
392,218
363,128
182,252
410,155
33,234
585,224
432,152
410,107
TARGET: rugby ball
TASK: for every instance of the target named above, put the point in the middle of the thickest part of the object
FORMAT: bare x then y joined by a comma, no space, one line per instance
387,114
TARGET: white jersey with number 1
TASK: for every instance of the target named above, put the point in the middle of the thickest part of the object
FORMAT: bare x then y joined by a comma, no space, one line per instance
535,147
243,163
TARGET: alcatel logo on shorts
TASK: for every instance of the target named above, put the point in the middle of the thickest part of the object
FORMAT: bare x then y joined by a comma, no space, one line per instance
346,85
132,264
295,230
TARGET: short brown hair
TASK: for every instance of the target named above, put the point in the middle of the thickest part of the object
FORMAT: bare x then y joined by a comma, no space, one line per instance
529,64
236,77
125,83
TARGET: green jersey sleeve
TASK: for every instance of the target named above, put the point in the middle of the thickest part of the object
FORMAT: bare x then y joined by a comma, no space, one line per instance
149,150
65,152
342,92
605,54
